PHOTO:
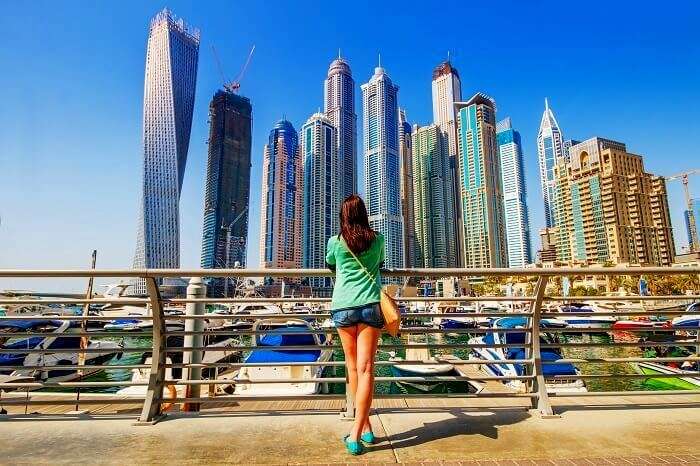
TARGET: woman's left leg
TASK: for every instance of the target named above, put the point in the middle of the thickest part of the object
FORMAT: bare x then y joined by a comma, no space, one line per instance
367,340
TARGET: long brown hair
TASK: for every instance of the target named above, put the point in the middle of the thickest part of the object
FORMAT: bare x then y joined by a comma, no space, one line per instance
354,224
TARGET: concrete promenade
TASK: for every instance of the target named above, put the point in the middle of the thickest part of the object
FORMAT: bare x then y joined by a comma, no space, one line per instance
591,430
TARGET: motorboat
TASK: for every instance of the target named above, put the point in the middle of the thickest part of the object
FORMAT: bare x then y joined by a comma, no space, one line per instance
687,379
218,349
271,361
427,366
589,320
65,352
642,324
690,319
457,322
567,375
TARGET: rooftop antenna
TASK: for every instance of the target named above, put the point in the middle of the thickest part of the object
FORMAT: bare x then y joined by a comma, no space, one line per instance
339,57
448,56
380,59
546,104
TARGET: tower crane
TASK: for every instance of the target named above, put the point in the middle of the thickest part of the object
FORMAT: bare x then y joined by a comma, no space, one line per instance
692,221
232,86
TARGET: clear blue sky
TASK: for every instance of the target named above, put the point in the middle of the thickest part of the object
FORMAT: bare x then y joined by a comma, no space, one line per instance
71,91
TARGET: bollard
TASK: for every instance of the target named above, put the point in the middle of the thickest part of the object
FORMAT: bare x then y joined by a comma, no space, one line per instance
196,289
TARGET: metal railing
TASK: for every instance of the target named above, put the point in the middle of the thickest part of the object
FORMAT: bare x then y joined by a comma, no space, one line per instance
531,371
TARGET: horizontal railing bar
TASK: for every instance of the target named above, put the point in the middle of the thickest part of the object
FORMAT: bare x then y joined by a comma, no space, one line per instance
624,376
128,349
412,330
342,363
74,367
609,329
619,360
409,299
116,333
630,298
444,378
334,347
546,314
71,401
80,318
419,272
377,396
112,383
627,393
640,344
74,300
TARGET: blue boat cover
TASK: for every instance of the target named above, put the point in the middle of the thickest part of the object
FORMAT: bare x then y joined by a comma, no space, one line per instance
286,336
282,356
547,369
294,336
28,324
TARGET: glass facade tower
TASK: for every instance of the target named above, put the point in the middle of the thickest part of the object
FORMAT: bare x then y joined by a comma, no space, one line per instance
382,164
168,100
550,148
339,106
514,194
319,153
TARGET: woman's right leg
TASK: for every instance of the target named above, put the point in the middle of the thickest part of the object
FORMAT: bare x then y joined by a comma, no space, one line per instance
367,341
348,338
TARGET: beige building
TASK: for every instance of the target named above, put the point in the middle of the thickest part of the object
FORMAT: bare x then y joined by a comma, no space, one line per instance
608,209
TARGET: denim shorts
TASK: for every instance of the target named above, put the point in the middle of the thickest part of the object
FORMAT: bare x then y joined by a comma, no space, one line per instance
369,314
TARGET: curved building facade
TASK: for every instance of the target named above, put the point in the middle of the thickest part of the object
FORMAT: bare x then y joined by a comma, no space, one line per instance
168,100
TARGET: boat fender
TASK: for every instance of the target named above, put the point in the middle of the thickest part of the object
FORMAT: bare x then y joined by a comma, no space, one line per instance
172,391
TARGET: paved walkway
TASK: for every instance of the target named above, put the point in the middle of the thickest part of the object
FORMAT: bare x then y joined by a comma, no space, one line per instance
609,432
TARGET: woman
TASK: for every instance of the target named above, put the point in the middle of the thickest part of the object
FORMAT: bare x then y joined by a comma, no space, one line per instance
356,255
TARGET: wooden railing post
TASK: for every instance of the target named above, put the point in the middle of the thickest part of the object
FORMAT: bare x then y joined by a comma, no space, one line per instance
151,411
538,386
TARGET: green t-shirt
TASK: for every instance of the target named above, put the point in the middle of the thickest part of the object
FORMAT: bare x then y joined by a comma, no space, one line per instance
352,285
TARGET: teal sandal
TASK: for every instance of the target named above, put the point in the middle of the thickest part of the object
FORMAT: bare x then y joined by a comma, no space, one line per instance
367,437
354,448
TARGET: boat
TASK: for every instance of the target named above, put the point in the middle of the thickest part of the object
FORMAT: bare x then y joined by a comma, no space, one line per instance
590,320
286,363
66,350
690,319
218,349
569,381
430,367
645,324
457,322
686,380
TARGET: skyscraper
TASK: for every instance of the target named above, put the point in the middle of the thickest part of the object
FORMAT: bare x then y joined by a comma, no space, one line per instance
281,207
695,203
550,148
483,230
168,99
407,190
339,106
381,163
514,194
447,89
319,152
227,192
431,189
609,209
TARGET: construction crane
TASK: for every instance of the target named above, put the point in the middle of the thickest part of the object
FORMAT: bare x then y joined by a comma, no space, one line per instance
692,225
232,86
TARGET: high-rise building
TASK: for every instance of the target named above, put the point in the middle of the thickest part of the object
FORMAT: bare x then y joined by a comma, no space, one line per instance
339,106
483,229
281,206
319,154
695,203
168,99
514,194
609,209
382,164
407,183
550,148
431,190
227,192
446,90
